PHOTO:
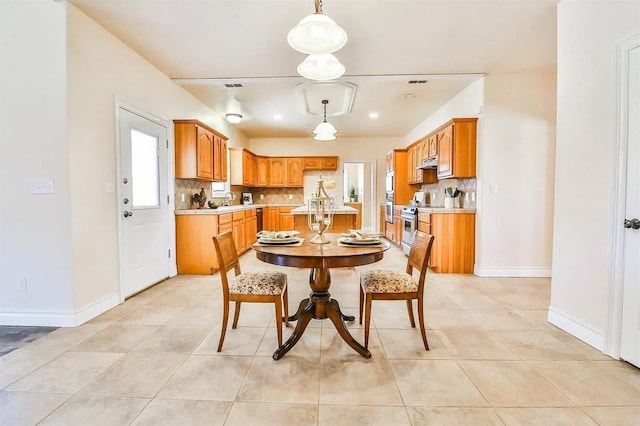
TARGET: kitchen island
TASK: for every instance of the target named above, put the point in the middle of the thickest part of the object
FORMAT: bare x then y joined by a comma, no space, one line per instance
344,218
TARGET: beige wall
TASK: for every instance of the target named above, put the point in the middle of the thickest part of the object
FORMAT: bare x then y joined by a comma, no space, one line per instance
515,154
101,69
35,230
583,190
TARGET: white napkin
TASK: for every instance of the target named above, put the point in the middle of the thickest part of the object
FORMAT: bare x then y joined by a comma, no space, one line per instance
358,234
277,235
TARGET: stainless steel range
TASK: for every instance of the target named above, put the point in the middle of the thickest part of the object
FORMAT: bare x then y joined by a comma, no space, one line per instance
409,217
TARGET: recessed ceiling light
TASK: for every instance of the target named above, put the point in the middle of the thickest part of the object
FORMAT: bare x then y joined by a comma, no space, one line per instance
277,116
373,115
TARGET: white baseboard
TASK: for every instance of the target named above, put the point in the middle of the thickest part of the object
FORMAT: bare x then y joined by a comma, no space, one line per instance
60,318
577,329
533,272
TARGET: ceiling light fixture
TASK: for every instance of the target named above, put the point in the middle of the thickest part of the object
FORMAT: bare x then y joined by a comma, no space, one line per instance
233,118
317,34
321,67
234,111
324,131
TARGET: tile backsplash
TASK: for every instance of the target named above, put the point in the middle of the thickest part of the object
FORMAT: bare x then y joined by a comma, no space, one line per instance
186,188
435,191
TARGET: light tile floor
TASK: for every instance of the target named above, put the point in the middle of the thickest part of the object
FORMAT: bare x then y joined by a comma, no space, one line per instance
494,360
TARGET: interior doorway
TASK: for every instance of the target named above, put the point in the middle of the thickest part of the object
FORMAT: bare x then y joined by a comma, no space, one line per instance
623,335
358,191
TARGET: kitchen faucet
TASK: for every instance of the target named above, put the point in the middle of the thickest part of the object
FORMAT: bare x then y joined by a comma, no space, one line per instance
228,198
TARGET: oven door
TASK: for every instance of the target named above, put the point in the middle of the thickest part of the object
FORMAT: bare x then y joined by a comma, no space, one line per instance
388,182
408,229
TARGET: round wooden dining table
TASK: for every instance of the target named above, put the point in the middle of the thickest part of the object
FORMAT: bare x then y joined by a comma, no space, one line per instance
320,258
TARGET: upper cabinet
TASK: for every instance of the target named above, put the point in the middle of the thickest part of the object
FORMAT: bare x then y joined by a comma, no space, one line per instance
278,171
319,163
243,167
201,152
294,172
457,149
431,147
263,168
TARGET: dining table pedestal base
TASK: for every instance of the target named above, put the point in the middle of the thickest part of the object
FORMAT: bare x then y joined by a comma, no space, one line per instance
320,306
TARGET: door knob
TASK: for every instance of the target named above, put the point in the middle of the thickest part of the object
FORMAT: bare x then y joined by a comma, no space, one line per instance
126,201
632,223
128,214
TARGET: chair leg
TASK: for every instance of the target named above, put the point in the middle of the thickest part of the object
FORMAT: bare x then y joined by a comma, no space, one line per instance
421,321
236,315
225,320
285,300
410,309
278,319
361,303
367,319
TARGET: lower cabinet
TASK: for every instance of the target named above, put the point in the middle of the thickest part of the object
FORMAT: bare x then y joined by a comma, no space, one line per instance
286,219
195,252
453,250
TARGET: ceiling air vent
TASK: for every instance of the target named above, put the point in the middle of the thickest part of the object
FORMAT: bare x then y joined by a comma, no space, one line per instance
417,81
233,85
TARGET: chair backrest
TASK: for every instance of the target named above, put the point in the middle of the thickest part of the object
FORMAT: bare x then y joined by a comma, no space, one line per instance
419,255
227,255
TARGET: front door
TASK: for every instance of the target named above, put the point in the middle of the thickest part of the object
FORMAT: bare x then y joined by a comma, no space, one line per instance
143,203
630,337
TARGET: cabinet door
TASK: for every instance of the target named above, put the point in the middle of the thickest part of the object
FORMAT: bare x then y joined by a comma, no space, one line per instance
251,228
329,163
445,153
286,220
417,161
248,169
270,218
294,172
238,235
262,164
311,163
410,163
397,223
278,171
204,153
219,159
433,146
389,161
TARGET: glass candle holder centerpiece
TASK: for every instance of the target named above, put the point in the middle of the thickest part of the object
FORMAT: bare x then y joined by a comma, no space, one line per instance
320,215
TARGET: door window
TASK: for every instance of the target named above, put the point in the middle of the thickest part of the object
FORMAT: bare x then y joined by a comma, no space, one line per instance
145,181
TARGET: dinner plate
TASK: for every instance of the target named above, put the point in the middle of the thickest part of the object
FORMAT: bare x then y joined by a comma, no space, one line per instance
278,240
363,242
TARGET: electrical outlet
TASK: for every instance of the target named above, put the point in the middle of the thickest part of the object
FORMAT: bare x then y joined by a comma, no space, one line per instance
22,284
291,196
42,186
473,196
262,196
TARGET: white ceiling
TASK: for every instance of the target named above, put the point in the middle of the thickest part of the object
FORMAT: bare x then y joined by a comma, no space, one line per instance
203,44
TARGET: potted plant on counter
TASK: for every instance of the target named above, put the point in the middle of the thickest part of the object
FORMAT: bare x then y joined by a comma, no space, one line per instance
352,195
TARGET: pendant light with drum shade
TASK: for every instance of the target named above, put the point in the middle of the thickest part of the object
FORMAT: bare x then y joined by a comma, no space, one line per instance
324,131
318,36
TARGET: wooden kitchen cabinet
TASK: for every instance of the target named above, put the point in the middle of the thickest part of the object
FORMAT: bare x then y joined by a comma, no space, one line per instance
457,149
270,218
286,219
397,224
294,172
432,147
243,167
219,159
196,145
453,248
278,171
262,174
328,163
319,163
357,206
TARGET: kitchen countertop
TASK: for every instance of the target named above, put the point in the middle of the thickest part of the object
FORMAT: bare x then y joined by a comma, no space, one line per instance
336,210
230,209
443,210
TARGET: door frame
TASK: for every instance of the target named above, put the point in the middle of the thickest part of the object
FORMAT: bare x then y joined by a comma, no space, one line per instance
613,331
169,210
375,212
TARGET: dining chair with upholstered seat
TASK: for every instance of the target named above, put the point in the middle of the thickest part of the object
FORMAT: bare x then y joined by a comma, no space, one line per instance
380,284
261,287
